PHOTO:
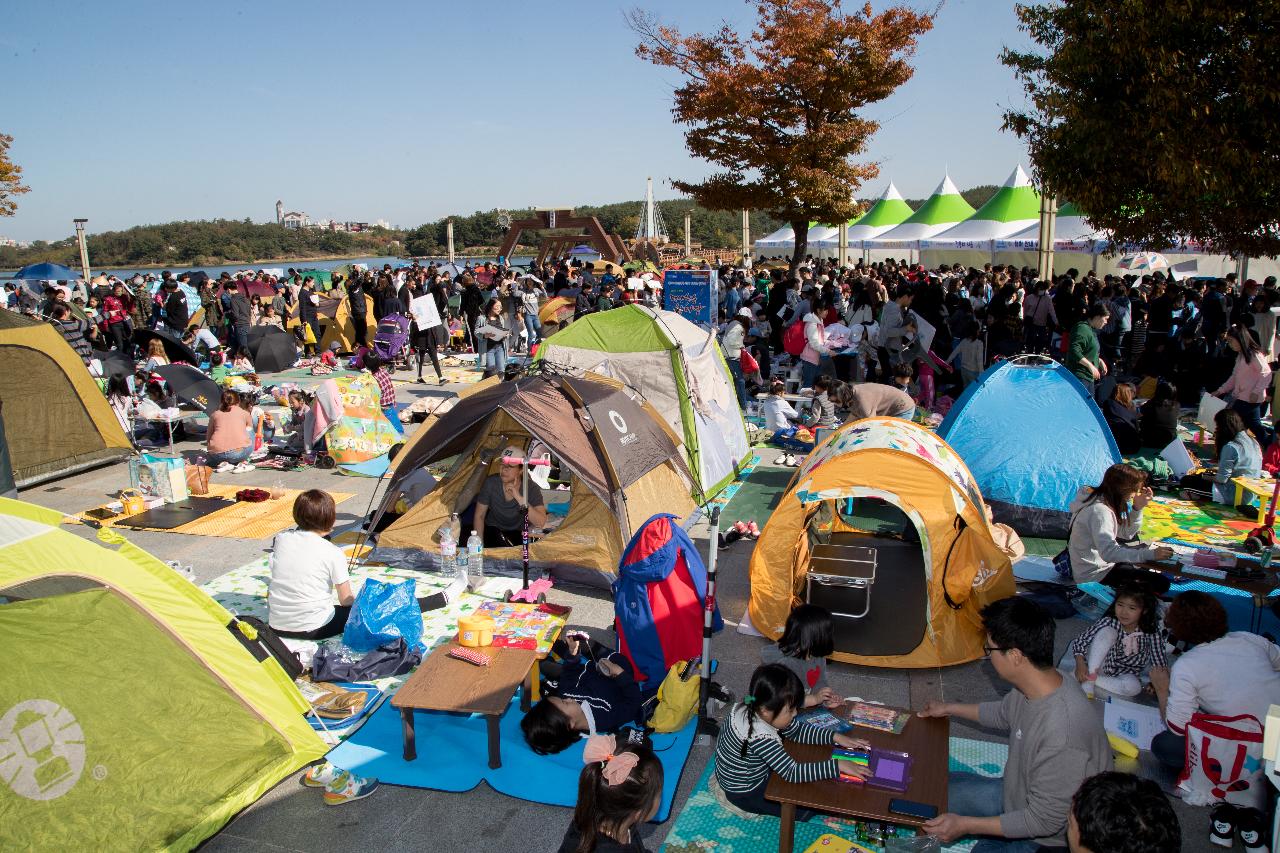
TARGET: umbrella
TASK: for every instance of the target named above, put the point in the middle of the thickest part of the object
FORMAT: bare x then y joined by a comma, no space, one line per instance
46,272
556,310
250,287
174,349
191,386
271,349
583,250
114,362
1144,262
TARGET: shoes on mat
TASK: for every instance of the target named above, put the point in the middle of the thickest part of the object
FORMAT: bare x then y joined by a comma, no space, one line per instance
753,530
781,460
729,537
1222,825
348,787
320,775
242,468
1253,830
224,467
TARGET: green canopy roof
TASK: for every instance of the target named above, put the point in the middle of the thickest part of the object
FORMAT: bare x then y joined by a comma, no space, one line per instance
946,205
890,209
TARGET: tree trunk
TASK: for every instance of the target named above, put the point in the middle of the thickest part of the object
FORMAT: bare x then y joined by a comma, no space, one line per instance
801,230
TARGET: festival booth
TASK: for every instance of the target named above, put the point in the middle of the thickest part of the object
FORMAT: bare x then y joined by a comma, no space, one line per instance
621,461
889,211
674,365
1014,207
942,210
1032,436
56,419
136,714
883,525
784,239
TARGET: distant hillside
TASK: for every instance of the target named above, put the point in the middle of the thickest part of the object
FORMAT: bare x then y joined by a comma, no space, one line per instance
219,241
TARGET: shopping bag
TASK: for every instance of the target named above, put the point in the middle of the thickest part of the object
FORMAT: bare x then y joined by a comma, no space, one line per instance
382,613
1224,761
198,479
159,477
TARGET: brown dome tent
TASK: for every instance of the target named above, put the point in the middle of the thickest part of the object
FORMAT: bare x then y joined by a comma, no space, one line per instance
622,462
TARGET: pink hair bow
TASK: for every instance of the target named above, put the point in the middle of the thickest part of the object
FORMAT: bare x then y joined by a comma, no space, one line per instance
616,767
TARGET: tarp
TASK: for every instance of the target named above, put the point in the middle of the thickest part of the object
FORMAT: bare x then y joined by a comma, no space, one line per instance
132,717
908,466
674,365
56,418
1032,436
623,464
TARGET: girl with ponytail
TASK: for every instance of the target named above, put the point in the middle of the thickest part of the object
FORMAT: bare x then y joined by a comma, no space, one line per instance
619,789
750,743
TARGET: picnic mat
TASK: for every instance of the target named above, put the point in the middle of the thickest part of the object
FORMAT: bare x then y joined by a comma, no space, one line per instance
240,520
1191,523
726,494
453,755
757,496
706,824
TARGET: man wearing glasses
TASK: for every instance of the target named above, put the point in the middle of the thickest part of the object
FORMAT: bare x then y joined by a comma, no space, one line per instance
1056,741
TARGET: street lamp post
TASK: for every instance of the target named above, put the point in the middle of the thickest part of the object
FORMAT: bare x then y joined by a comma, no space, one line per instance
84,250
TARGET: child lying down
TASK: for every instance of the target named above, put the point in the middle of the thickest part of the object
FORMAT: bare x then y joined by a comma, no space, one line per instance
595,692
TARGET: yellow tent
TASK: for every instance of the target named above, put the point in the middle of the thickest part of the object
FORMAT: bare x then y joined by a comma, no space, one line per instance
341,328
908,468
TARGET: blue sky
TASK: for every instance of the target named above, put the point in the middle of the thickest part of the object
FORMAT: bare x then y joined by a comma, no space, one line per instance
132,113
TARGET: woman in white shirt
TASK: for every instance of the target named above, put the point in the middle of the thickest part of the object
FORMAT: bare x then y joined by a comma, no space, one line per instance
1101,517
735,335
306,570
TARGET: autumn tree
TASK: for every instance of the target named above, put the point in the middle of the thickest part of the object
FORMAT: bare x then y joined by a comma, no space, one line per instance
10,179
777,110
1159,118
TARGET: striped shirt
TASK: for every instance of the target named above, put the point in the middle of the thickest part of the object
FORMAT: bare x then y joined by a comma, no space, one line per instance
1132,654
739,774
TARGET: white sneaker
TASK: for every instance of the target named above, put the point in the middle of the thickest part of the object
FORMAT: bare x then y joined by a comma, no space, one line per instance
224,467
243,468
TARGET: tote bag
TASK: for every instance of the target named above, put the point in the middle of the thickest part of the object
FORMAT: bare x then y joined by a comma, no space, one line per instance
1224,761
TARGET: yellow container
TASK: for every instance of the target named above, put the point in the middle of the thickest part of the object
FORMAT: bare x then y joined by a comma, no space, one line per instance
132,502
475,630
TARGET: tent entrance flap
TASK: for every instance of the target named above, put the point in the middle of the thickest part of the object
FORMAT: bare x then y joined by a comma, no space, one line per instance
895,606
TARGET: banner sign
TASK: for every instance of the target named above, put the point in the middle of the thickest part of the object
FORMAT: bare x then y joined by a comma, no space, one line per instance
692,294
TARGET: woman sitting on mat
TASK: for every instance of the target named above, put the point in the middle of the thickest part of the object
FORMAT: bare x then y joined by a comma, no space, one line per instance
1102,518
1239,455
499,512
619,789
228,440
305,570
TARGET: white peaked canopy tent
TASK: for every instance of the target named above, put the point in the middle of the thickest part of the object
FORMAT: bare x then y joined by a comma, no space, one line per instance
889,210
1014,207
944,209
1071,233
783,238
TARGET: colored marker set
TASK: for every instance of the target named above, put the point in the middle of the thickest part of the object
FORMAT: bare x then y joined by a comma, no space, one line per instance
860,757
889,770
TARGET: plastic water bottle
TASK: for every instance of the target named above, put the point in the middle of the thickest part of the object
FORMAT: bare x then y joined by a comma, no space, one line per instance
462,561
448,550
475,550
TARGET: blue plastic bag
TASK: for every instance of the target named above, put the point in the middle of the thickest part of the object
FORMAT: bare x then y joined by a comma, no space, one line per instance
383,612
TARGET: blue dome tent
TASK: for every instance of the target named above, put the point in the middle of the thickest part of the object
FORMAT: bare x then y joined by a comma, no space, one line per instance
1032,436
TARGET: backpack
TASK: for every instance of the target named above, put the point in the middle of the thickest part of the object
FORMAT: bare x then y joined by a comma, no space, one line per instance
793,340
677,698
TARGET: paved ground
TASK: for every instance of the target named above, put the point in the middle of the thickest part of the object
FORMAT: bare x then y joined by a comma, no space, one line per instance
291,817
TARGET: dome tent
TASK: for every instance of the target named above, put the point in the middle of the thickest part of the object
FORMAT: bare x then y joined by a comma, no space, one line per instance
888,211
675,366
144,719
930,584
622,462
1030,483
945,208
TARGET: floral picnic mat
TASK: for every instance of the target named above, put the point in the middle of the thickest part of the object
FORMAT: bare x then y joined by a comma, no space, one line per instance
1192,523
705,823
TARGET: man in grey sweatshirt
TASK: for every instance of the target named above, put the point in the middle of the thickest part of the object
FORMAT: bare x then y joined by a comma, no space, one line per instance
1056,741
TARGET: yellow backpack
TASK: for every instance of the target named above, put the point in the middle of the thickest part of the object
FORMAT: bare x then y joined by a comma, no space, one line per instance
677,698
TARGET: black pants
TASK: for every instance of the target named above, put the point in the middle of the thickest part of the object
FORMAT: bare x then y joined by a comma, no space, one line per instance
754,801
426,346
1170,749
360,322
341,613
117,336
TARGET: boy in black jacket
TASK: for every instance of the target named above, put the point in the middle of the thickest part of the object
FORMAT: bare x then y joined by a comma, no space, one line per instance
590,696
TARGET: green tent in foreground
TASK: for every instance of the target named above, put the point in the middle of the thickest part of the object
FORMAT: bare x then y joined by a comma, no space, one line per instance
131,716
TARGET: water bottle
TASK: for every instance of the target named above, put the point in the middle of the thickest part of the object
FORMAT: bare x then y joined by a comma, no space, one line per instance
475,549
448,550
1268,554
463,561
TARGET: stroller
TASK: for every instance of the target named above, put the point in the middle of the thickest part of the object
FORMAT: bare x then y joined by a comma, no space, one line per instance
391,341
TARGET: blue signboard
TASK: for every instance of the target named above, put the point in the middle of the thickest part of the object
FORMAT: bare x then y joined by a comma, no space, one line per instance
691,294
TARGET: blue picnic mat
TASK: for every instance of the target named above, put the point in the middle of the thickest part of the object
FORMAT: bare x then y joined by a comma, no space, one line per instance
453,755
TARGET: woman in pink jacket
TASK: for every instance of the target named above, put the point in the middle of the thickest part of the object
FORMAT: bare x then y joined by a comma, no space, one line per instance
1249,382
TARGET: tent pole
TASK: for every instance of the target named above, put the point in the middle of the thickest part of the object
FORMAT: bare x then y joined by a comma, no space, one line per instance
707,724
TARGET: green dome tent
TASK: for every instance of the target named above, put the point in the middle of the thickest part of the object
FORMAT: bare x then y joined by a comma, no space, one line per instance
677,367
